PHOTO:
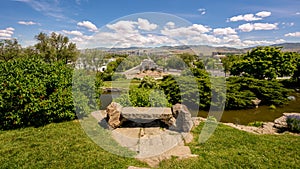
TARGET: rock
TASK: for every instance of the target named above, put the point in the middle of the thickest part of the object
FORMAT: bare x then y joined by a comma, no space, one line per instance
181,152
293,98
114,114
280,122
184,122
256,101
132,167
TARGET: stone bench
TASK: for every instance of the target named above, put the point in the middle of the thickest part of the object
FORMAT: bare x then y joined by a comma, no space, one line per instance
177,118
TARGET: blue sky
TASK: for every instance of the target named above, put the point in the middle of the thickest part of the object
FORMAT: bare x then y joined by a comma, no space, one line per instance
94,23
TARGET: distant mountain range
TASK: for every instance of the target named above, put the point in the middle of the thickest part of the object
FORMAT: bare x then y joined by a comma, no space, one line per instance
204,49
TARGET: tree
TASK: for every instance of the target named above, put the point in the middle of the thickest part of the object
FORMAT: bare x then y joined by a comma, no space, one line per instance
56,47
296,75
228,62
265,62
9,49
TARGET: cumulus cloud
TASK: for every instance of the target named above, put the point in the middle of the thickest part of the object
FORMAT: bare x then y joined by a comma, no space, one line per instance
250,17
224,31
144,24
294,34
75,33
130,26
89,25
193,30
261,42
248,27
202,11
263,14
246,17
27,23
123,27
170,25
6,33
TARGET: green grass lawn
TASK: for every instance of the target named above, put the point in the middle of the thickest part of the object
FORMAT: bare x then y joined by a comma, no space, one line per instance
124,84
65,145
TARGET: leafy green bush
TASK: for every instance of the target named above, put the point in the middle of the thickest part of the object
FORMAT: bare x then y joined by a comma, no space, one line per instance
256,124
141,97
86,92
293,123
272,106
241,90
148,82
34,93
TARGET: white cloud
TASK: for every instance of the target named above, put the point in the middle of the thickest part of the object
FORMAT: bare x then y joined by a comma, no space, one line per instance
89,25
261,42
248,27
6,33
246,17
194,30
297,13
250,17
202,11
131,26
123,27
224,31
263,14
75,33
144,24
27,23
170,25
294,34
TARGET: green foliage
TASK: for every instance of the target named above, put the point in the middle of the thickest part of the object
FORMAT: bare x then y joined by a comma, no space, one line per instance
186,91
141,97
9,49
34,93
256,124
296,75
265,62
293,123
56,47
241,90
272,106
66,145
176,62
118,76
228,62
86,92
148,82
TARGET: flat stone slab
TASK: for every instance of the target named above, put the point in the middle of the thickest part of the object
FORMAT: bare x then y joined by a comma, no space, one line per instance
146,114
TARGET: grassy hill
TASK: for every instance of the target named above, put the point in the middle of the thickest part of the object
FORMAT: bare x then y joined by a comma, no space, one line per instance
65,145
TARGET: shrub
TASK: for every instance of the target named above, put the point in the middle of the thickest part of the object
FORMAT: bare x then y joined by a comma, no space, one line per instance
256,124
241,90
34,93
141,97
273,107
293,123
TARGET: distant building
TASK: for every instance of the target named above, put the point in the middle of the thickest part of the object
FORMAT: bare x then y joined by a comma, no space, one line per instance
148,64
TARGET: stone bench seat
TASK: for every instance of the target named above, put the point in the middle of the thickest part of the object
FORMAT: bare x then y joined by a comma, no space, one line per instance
178,118
146,114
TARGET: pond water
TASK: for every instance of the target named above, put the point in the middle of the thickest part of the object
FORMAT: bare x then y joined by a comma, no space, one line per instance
262,113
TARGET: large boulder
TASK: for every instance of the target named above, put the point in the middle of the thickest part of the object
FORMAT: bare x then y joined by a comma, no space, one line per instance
184,122
114,117
281,123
